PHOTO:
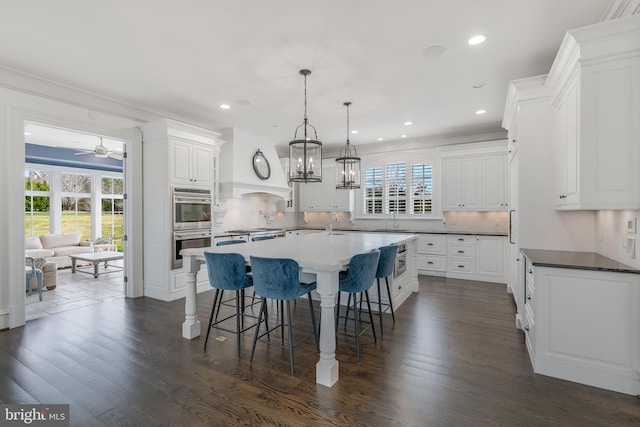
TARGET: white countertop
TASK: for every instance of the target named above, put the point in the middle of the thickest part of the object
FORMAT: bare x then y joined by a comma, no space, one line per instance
319,251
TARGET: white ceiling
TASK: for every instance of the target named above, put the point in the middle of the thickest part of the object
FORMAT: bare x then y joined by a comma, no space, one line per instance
184,59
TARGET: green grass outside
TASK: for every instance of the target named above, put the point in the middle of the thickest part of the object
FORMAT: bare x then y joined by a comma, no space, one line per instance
41,225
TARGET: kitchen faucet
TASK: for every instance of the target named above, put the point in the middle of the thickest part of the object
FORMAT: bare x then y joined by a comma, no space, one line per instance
332,215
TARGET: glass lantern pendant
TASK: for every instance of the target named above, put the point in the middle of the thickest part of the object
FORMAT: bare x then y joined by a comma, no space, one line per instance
305,154
348,164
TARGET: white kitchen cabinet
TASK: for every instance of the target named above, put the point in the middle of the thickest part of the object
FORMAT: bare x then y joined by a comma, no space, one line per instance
461,183
494,182
190,163
584,326
596,84
432,254
324,196
174,154
476,182
490,256
474,257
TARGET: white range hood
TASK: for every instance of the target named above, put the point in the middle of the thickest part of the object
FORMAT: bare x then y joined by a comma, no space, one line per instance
237,177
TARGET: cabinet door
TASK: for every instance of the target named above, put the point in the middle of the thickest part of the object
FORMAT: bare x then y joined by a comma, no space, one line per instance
490,256
494,189
471,183
451,176
202,165
571,146
311,196
180,159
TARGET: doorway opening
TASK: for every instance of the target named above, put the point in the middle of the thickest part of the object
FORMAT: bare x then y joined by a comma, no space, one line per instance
74,185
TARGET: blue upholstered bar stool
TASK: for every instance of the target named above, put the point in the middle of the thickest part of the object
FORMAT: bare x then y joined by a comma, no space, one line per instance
248,269
357,280
279,279
227,272
385,269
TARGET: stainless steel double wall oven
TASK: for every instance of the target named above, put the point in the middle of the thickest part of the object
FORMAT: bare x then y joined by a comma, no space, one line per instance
191,210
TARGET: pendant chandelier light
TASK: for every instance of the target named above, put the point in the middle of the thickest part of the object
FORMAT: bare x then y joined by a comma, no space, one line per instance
305,154
348,164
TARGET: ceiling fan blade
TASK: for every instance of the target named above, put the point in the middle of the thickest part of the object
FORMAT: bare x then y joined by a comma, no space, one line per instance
82,152
115,156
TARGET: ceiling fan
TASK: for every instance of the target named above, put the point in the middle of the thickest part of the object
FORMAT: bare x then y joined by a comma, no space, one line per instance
101,151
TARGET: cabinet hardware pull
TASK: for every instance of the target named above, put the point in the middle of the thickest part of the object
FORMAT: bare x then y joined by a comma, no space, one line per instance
461,266
530,271
526,328
461,240
460,252
529,297
429,262
429,244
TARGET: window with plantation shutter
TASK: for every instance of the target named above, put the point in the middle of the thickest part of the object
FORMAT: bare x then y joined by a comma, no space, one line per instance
421,189
398,188
373,191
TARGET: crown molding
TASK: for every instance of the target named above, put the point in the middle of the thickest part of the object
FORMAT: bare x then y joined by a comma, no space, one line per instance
621,8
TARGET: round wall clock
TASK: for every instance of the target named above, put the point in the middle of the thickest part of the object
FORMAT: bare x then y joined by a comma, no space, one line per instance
261,165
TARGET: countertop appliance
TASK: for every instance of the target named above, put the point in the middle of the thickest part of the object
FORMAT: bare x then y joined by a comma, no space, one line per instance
255,232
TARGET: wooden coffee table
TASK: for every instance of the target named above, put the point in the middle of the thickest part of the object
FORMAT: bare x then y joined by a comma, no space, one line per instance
95,258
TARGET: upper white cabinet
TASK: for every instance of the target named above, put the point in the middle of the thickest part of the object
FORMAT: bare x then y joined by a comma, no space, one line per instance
323,196
596,84
190,163
475,180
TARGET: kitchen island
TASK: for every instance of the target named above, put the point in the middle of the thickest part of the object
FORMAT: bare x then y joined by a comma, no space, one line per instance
321,257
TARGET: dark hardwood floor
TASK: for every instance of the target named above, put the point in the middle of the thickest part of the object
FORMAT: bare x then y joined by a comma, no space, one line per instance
453,358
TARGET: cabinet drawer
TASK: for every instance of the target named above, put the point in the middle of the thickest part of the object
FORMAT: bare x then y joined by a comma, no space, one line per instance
529,296
461,251
431,262
530,271
460,265
432,244
461,239
529,330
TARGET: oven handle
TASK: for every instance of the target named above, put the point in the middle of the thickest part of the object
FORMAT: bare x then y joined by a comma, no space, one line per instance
185,199
178,235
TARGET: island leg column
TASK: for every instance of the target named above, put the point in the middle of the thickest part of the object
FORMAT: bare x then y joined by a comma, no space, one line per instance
327,366
191,324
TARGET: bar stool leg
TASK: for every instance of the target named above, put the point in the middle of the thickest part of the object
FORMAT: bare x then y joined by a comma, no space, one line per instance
290,335
393,315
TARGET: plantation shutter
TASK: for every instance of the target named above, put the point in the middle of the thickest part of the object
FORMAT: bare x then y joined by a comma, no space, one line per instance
396,188
373,191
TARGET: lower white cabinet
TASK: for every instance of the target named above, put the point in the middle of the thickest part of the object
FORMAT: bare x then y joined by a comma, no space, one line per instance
461,256
432,254
584,326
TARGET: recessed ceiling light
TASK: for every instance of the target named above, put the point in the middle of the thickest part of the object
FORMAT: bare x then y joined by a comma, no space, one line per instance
476,39
479,112
354,131
225,106
408,123
380,139
403,136
478,85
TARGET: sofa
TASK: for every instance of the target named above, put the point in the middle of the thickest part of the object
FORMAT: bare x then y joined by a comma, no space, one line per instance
56,247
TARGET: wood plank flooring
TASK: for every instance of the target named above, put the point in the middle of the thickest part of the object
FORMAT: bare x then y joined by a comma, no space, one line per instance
453,358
